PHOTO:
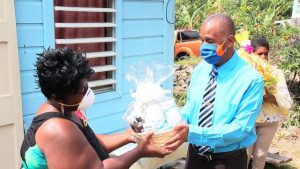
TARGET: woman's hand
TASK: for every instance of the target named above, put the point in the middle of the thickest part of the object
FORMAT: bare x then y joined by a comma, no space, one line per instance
131,136
270,98
149,150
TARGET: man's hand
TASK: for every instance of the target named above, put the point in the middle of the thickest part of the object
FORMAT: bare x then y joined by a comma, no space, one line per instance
149,150
181,132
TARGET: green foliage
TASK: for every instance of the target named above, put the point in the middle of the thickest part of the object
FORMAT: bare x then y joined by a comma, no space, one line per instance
286,48
256,16
190,13
180,97
259,18
293,118
189,61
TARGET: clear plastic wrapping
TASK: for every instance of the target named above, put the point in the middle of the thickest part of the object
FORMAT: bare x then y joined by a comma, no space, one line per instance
152,107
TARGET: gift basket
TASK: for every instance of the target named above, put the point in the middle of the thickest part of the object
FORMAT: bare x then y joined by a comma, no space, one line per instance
267,71
152,108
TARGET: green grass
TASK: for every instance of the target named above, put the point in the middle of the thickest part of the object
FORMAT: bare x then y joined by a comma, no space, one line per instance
190,61
180,97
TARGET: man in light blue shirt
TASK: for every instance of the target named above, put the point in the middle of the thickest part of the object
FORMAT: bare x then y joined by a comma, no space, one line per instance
233,95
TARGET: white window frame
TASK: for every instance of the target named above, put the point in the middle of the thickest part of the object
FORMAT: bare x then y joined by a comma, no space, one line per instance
113,67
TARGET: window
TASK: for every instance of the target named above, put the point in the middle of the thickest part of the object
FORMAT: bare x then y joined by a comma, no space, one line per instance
188,35
89,26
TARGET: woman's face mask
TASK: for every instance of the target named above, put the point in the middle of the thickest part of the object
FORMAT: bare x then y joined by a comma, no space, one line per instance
86,102
212,53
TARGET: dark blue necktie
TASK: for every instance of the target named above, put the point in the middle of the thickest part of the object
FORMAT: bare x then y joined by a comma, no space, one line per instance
207,108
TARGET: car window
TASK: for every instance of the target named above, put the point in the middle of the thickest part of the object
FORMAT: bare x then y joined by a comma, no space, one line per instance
188,35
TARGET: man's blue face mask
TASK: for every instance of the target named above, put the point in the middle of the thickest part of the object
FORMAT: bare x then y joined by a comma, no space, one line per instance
212,53
209,53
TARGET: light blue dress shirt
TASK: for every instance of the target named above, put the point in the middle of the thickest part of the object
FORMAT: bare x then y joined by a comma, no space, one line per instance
237,104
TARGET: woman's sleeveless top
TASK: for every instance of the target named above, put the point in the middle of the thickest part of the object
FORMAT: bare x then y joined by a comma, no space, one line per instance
34,158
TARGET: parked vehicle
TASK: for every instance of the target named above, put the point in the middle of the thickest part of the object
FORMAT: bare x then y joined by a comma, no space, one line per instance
186,43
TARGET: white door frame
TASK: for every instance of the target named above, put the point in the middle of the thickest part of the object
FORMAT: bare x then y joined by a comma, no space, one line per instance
11,122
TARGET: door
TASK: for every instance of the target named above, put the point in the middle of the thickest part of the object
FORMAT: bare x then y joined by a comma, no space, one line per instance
11,130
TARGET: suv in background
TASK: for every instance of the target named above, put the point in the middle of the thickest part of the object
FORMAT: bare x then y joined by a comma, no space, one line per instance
186,43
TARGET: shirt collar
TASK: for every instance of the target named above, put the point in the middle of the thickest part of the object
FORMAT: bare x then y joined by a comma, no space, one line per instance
224,69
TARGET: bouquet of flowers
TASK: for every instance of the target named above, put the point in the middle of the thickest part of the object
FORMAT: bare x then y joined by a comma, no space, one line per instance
266,70
152,109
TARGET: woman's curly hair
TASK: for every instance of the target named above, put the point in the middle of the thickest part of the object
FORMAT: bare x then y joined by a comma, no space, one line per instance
59,71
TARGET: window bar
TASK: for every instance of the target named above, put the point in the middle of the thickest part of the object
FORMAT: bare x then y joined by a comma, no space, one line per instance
84,25
83,9
105,68
99,83
100,54
85,40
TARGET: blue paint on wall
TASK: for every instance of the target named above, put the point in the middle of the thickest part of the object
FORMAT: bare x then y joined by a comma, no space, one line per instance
29,11
28,84
142,45
30,35
143,9
142,28
27,57
143,35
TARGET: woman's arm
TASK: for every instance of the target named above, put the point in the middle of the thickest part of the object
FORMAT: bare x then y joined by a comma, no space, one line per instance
144,149
114,141
64,147
270,98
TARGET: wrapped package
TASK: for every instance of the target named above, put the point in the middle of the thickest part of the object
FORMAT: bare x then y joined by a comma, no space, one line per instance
152,107
274,82
266,70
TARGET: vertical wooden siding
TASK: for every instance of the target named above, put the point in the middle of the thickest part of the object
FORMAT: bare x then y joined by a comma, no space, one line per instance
34,34
143,35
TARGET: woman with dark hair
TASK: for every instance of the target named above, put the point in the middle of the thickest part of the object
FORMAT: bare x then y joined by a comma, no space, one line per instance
275,107
59,136
261,47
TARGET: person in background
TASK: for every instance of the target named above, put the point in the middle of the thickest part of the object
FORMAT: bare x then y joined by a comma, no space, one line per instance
275,107
59,136
223,101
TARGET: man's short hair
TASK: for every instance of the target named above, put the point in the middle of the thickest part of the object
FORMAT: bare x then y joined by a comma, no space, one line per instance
224,20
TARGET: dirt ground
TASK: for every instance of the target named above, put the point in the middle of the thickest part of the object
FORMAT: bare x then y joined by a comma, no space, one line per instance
286,142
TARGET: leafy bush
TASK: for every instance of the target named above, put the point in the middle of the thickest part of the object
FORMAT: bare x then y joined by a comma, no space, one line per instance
293,118
259,18
189,61
180,97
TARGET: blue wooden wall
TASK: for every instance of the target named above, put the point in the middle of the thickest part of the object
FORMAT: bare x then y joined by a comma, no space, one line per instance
143,35
34,34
